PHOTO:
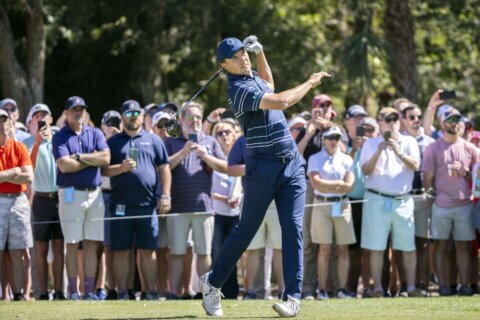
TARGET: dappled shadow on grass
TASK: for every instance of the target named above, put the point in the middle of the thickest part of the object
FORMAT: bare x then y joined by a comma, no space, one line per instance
181,317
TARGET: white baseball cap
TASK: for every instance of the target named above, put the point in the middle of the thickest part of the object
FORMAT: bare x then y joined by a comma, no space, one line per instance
37,108
159,116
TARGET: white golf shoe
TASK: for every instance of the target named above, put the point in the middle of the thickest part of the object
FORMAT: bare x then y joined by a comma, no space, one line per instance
289,308
211,297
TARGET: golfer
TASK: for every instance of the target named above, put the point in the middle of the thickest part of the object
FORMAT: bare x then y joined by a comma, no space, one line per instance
274,170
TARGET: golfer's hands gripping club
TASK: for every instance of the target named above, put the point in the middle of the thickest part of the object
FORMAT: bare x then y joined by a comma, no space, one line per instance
316,78
252,45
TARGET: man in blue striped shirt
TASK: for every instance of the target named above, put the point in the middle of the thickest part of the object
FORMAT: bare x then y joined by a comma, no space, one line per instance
274,170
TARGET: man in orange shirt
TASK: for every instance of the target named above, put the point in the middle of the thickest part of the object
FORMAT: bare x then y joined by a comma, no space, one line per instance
15,229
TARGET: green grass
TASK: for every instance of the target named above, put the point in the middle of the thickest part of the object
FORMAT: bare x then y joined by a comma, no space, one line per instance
426,308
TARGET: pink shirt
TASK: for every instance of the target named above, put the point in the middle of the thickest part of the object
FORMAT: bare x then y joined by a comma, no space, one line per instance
451,191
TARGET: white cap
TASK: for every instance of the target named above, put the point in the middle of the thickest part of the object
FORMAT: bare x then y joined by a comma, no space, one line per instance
333,130
3,113
296,120
371,122
159,116
37,108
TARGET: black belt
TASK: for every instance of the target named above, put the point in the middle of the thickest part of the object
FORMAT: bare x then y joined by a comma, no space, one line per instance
50,195
393,196
417,191
82,188
107,190
10,195
268,157
330,199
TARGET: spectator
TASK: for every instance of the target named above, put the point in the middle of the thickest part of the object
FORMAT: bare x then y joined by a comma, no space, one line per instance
389,163
331,175
10,106
447,166
136,156
400,104
80,150
295,125
192,164
148,112
226,195
159,121
309,141
15,174
435,106
45,201
359,259
412,119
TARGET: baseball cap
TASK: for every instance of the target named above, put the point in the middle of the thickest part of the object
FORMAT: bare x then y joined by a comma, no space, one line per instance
450,113
227,48
3,113
371,122
333,130
385,112
109,115
355,110
149,107
131,105
75,101
169,106
6,101
37,108
475,135
442,109
159,116
321,98
296,120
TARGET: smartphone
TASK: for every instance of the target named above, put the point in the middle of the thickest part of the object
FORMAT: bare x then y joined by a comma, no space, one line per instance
360,131
193,136
447,95
114,122
41,124
133,154
387,135
317,112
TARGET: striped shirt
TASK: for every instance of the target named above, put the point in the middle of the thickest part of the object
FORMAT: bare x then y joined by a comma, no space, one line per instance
266,131
192,177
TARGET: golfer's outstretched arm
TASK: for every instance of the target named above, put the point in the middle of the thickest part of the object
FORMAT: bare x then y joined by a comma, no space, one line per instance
287,98
263,69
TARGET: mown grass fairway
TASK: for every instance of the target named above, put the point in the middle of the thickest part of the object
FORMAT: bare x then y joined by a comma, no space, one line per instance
428,308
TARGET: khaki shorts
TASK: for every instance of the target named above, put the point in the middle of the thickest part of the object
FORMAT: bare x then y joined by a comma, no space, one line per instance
76,216
269,235
422,212
202,233
329,230
458,221
162,233
377,223
15,223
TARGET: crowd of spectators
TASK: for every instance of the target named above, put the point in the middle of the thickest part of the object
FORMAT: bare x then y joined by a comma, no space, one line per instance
126,211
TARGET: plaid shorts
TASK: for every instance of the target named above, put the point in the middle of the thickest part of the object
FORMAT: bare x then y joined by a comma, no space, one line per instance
15,226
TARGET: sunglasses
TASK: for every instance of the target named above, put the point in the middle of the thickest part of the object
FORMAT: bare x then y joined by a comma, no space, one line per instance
10,110
130,114
296,128
453,120
221,133
390,119
369,130
333,138
192,117
412,117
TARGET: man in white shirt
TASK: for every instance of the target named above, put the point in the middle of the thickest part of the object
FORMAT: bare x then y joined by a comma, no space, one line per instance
389,162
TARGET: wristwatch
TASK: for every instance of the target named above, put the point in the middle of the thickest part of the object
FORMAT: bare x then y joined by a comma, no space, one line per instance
77,157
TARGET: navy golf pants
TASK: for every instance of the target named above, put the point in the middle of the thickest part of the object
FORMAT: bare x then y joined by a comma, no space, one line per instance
266,181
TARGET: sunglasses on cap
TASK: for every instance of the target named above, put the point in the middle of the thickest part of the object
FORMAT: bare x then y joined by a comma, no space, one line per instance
223,132
393,118
161,123
413,117
192,117
453,120
334,137
130,114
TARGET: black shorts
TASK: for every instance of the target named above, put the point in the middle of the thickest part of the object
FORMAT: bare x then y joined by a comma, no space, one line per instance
45,209
357,213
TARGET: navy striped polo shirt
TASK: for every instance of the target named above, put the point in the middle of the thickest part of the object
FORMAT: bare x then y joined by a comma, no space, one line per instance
192,177
266,131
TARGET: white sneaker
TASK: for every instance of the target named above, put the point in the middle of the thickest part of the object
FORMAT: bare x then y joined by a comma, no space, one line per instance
211,297
289,308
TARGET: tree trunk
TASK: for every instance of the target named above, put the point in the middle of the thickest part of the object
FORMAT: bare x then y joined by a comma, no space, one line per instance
24,84
399,35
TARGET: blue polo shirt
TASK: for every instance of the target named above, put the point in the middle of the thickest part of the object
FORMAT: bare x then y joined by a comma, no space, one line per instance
66,142
192,177
266,131
238,154
137,187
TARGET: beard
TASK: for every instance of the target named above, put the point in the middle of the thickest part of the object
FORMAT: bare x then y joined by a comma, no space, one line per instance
452,130
132,125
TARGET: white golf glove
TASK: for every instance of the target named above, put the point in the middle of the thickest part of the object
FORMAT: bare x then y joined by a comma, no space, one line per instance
252,45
